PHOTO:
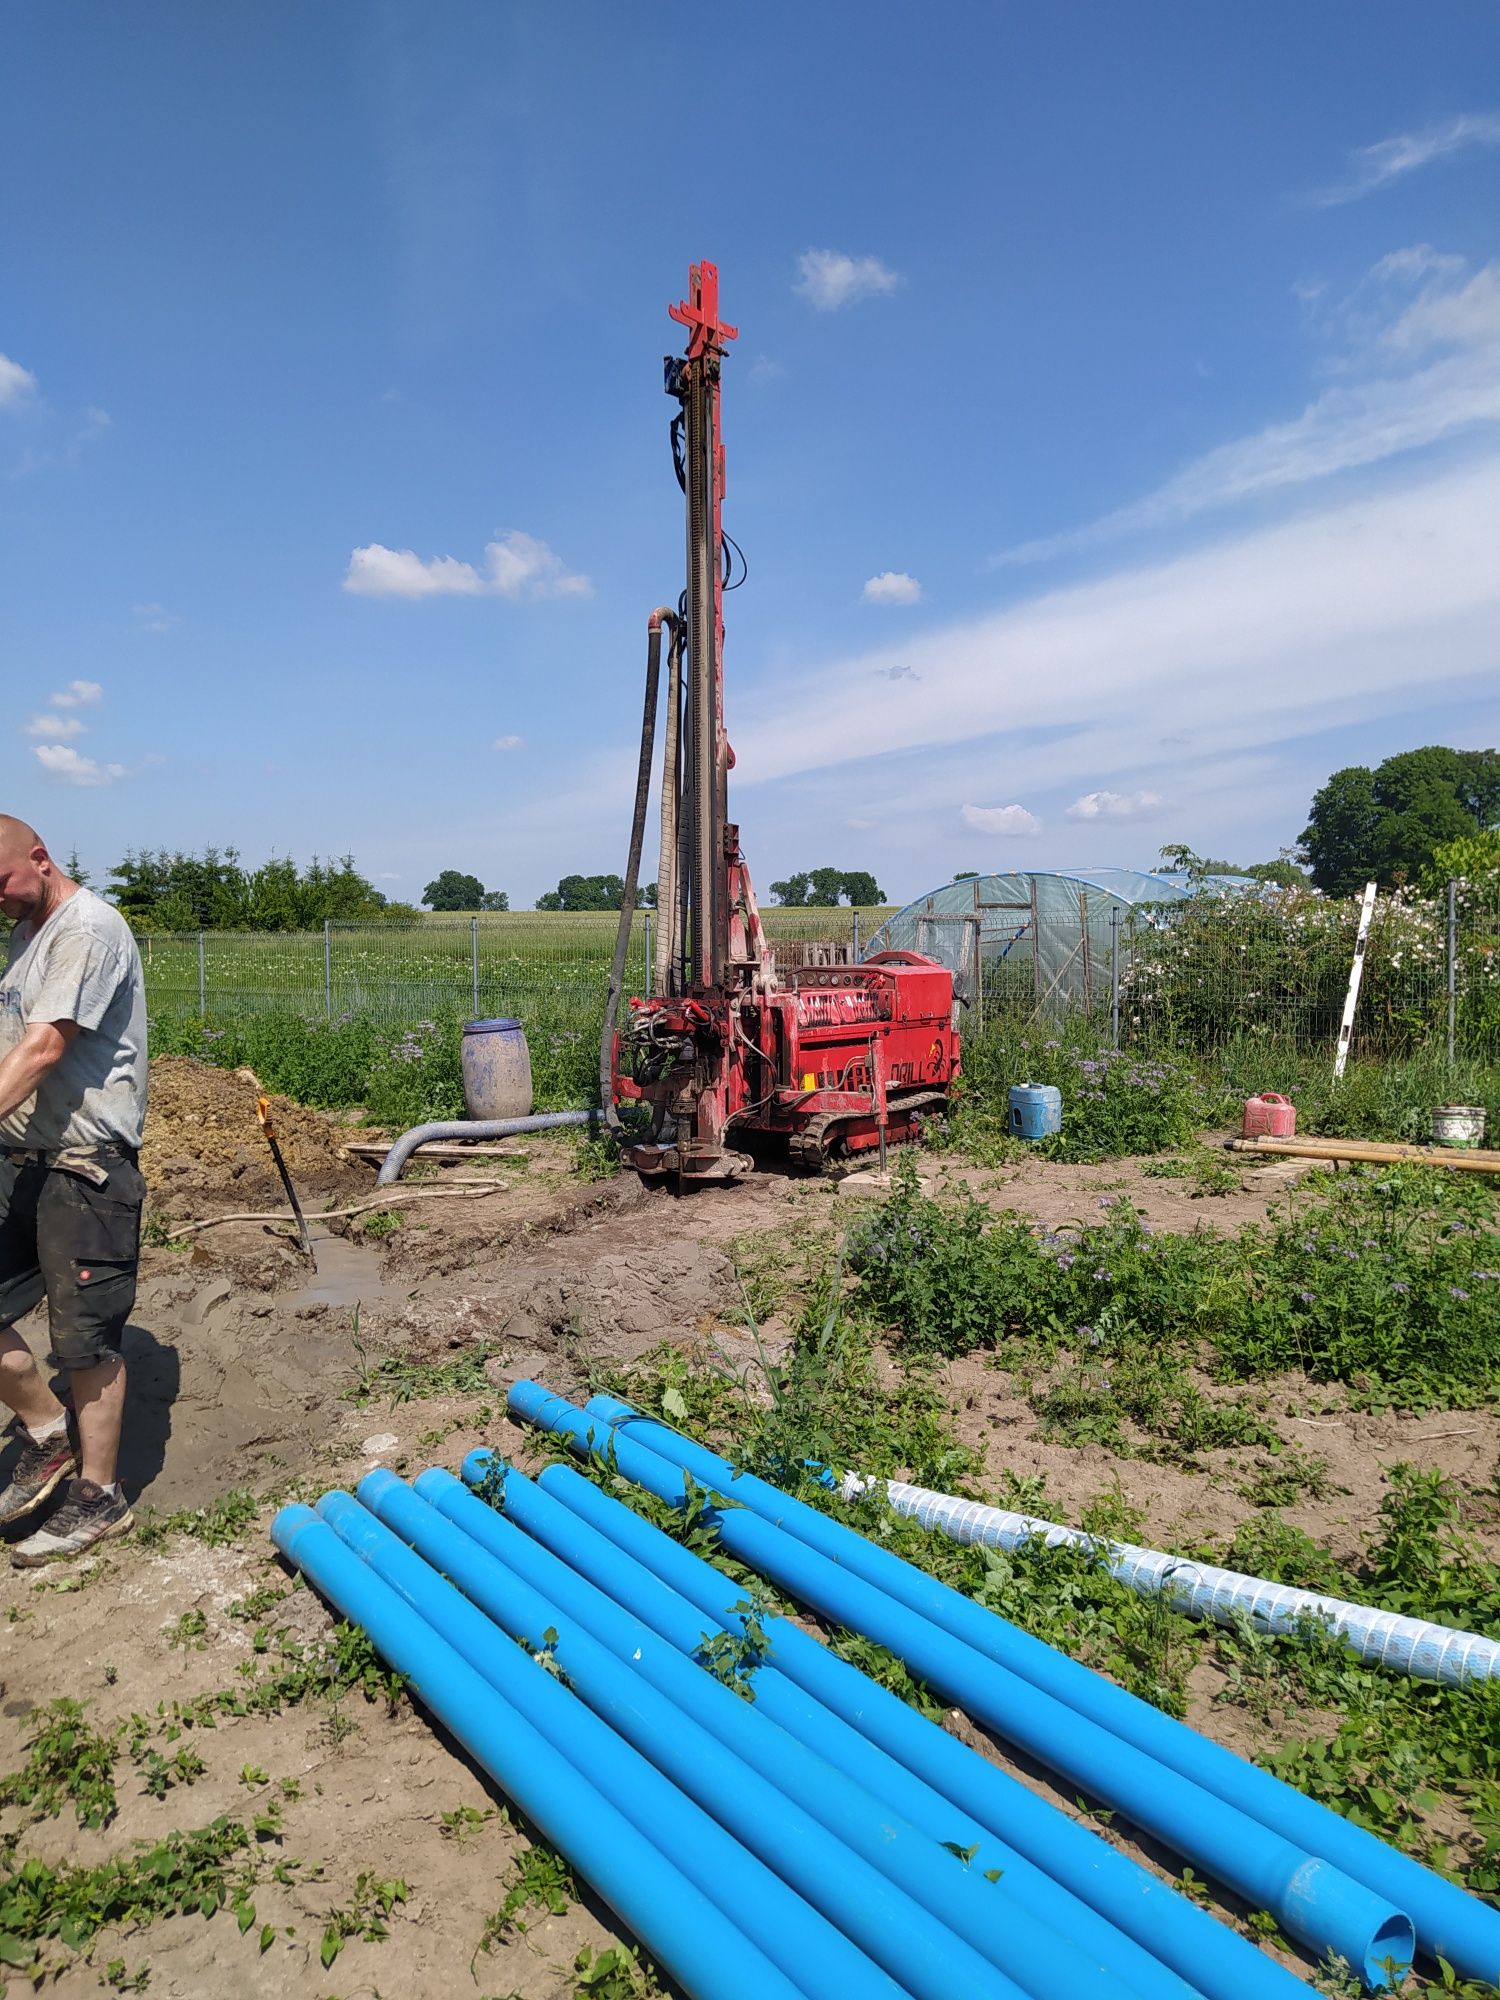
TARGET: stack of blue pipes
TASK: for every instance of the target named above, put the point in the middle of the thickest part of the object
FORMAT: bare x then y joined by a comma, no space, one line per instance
768,1821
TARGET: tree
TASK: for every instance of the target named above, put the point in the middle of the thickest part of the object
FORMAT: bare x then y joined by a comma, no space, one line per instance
1284,872
1389,822
862,890
454,891
589,892
967,875
821,888
494,899
213,891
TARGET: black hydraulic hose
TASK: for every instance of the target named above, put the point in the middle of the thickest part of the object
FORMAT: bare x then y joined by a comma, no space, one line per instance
661,616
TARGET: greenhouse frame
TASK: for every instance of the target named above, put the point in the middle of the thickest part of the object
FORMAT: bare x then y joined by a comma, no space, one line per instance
1048,940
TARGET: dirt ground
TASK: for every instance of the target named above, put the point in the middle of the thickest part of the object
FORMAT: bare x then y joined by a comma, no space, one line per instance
245,1372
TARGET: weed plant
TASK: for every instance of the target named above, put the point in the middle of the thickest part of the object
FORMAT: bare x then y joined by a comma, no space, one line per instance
1387,1281
1115,1102
401,1075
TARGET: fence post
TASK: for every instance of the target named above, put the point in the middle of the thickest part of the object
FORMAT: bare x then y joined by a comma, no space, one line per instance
854,947
1452,969
328,967
202,980
646,983
1114,976
474,963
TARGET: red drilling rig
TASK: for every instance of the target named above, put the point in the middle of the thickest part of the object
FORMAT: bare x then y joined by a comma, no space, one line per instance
728,1051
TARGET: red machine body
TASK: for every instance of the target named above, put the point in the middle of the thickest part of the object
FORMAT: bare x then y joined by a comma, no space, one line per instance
728,1050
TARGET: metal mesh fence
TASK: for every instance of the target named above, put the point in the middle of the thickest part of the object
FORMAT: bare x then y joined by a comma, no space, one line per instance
522,963
1202,973
1219,969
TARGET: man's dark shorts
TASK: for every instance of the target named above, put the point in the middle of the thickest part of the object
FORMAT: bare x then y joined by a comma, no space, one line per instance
75,1244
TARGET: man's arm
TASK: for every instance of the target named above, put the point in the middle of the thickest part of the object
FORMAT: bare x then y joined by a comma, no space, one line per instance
23,1068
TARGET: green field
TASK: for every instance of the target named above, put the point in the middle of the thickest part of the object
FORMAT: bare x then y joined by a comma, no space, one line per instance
509,963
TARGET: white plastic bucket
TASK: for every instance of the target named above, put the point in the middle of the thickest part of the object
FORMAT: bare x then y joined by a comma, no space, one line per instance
1458,1125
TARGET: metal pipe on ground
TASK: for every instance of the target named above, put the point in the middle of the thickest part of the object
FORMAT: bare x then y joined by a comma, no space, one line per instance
1082,1949
473,1128
1104,1887
1449,1922
702,1735
687,1935
407,1543
1313,1900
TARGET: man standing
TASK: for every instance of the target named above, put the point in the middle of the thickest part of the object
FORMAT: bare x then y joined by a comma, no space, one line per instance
72,1108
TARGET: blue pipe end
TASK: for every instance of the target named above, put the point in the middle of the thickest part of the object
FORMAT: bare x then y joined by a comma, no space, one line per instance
476,1466
370,1488
288,1523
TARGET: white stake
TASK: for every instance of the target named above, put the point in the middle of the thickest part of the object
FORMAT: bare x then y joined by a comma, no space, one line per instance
1356,971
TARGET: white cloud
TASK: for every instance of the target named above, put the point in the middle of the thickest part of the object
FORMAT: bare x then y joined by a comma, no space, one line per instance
376,571
73,768
764,369
78,694
521,566
155,618
1378,607
1012,821
1451,328
1372,167
509,742
516,566
17,384
1115,805
54,728
892,586
829,279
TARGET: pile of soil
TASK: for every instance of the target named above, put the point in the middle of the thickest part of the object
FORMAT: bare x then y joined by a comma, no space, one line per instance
204,1149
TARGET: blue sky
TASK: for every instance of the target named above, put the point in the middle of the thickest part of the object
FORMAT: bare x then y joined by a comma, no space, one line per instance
1113,431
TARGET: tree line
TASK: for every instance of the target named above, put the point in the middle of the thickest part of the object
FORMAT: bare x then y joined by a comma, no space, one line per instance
214,891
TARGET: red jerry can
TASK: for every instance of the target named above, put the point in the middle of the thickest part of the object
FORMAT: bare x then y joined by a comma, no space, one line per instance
1270,1116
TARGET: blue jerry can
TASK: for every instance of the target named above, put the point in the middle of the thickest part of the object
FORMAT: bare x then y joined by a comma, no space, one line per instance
1035,1110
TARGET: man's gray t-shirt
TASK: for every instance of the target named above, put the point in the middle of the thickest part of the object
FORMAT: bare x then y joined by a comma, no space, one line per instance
81,965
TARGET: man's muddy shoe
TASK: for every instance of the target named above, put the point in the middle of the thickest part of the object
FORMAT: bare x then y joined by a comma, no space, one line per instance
39,1471
87,1515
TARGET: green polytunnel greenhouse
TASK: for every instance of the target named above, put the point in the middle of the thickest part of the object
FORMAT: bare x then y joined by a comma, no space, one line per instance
1045,939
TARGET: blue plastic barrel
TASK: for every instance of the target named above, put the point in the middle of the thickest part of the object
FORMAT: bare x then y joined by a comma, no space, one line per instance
497,1070
1035,1110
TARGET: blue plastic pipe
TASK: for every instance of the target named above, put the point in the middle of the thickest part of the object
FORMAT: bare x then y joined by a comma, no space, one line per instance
1449,1922
809,1951
797,1937
1157,1922
680,1928
873,1907
1054,1955
1312,1900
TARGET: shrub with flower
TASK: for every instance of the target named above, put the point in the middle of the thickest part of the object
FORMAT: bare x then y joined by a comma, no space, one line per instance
1115,1101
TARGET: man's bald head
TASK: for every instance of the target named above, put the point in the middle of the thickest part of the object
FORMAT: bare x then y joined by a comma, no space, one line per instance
16,837
31,883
